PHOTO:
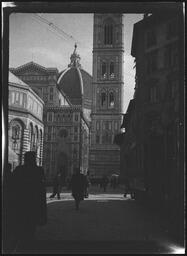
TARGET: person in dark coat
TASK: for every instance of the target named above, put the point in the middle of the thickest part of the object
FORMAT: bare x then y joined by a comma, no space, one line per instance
78,187
57,185
87,184
30,209
104,182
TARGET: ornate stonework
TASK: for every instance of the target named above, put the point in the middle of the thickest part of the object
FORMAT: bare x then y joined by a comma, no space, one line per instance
107,93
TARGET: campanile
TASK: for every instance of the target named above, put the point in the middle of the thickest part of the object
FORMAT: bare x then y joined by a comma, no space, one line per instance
107,93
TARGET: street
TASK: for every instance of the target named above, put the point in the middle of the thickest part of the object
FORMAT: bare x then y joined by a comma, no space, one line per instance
106,222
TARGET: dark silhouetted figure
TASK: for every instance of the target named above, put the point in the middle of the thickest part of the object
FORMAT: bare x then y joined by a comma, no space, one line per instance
68,183
78,187
128,189
104,182
57,185
114,181
30,201
87,184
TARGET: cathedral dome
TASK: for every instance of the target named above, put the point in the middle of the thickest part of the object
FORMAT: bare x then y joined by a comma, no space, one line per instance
76,83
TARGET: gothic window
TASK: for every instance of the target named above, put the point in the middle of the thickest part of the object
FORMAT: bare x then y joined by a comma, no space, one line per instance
109,125
51,94
76,117
111,99
49,115
116,125
104,70
58,117
103,99
111,70
108,34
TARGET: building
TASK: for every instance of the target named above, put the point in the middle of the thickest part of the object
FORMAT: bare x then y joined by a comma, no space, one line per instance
25,122
152,145
107,93
66,116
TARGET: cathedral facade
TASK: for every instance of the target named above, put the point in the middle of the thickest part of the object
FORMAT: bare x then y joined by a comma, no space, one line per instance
107,93
82,114
66,114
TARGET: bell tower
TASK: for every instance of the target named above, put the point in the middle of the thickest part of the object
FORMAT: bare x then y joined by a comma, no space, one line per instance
107,93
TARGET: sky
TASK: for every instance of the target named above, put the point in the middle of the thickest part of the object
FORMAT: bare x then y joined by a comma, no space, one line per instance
31,39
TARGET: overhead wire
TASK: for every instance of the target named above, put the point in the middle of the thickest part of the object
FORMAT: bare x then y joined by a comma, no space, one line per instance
57,29
48,28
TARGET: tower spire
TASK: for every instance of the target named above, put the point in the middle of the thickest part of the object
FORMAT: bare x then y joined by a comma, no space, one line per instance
75,59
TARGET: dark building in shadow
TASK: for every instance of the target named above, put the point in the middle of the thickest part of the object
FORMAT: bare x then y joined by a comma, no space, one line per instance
152,146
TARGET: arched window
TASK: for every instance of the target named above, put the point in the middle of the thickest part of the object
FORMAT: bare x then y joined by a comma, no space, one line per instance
104,70
111,69
16,138
16,132
111,100
98,125
103,99
108,34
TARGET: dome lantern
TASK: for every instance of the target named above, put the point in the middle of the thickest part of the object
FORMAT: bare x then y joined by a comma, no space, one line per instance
75,59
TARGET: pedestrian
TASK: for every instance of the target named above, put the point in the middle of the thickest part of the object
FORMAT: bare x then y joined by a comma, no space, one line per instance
114,181
127,187
57,185
68,181
29,196
104,182
78,187
87,184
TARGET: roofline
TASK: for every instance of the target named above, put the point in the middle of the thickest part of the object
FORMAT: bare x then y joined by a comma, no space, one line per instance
80,77
36,64
86,72
149,20
28,89
64,95
63,73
